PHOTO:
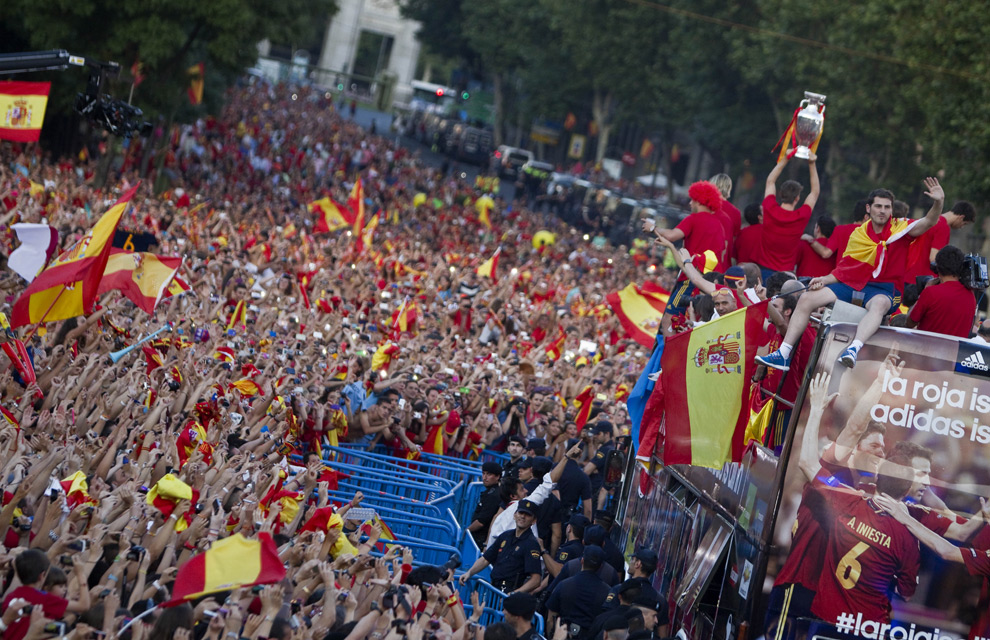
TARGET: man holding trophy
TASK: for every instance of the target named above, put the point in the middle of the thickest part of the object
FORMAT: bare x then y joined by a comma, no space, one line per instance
872,267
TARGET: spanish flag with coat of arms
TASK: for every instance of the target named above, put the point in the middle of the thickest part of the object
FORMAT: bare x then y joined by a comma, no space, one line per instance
68,287
706,379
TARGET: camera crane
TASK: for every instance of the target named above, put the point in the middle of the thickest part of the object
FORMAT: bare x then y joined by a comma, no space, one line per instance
111,114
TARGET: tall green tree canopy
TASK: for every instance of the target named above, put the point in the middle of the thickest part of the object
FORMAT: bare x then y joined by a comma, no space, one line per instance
166,36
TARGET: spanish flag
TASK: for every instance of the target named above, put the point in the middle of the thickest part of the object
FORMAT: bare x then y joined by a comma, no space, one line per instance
488,267
238,316
484,206
230,563
153,359
583,402
356,203
706,381
76,490
404,319
197,81
556,348
174,288
367,234
22,110
166,494
142,277
383,356
330,216
324,519
68,286
248,388
640,309
866,251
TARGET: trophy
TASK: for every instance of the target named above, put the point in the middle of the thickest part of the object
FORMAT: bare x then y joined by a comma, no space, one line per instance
808,123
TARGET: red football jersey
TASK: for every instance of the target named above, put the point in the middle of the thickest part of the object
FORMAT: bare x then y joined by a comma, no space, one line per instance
869,555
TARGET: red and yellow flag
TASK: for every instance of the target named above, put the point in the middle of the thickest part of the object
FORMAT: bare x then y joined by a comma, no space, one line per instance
404,319
142,277
197,81
866,250
22,110
556,348
229,564
247,388
330,216
487,268
69,286
640,309
583,399
356,203
238,316
706,381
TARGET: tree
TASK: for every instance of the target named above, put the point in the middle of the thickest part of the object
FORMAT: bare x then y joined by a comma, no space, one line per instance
167,37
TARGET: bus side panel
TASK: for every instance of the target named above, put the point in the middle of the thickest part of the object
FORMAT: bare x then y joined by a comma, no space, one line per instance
841,562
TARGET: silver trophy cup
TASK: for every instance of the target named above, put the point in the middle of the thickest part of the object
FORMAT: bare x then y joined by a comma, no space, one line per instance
808,125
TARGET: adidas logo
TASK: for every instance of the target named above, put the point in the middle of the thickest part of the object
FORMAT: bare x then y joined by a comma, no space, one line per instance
976,361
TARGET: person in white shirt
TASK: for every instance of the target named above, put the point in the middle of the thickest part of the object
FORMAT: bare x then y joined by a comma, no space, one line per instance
514,491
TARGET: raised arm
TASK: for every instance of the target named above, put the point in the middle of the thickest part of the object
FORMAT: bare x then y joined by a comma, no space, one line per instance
935,192
771,188
816,188
859,419
935,542
818,392
683,259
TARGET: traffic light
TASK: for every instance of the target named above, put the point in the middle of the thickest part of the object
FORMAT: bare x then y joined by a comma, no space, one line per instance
340,86
439,93
465,95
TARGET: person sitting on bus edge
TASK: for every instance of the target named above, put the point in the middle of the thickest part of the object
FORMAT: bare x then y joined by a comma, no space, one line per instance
945,305
784,222
870,269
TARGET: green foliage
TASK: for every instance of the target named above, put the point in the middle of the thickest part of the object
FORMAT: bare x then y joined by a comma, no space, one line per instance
907,80
167,36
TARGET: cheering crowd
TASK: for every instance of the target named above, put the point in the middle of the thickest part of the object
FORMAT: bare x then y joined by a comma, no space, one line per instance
281,341
449,325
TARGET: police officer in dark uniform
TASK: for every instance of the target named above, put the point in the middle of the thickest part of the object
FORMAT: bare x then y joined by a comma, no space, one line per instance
488,502
601,434
580,598
594,535
613,555
571,549
514,555
641,568
518,610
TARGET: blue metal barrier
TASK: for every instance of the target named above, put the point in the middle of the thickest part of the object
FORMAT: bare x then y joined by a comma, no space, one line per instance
493,600
468,501
407,505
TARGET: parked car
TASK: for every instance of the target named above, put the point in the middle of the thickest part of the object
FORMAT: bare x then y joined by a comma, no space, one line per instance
508,161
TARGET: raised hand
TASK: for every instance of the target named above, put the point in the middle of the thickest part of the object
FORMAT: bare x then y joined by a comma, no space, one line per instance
933,189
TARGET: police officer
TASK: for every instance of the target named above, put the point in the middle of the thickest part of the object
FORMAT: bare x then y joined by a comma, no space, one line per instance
571,549
488,502
514,555
613,555
518,610
580,597
594,535
601,440
641,567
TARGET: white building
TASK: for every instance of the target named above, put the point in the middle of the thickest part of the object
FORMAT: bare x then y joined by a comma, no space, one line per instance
370,37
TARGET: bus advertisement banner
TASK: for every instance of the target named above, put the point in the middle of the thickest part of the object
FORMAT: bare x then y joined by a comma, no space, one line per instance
880,532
